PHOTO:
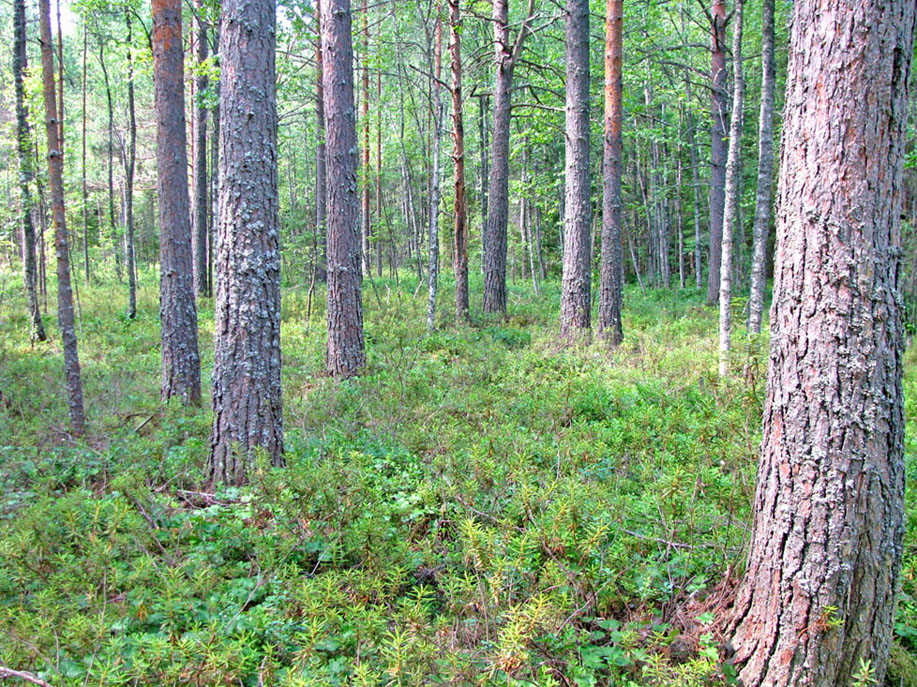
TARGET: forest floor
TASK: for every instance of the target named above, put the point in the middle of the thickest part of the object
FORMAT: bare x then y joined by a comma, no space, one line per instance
480,507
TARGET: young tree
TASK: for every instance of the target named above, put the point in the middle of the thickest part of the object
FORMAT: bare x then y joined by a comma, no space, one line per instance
612,268
365,219
246,371
764,197
575,298
181,365
112,227
129,172
733,174
26,175
718,145
56,179
321,166
433,230
817,601
507,56
460,228
199,112
346,352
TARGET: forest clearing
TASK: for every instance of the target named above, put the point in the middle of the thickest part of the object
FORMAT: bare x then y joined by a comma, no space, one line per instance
427,343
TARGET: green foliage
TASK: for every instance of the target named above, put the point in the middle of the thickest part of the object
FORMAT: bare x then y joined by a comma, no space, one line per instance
479,507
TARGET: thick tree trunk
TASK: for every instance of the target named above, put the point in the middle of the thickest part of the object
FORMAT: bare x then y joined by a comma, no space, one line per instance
433,230
460,228
733,173
507,55
246,371
56,178
129,176
199,112
365,228
26,173
181,365
575,299
764,198
718,145
346,353
817,600
611,270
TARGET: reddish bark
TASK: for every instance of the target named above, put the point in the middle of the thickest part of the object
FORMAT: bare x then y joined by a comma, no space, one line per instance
181,367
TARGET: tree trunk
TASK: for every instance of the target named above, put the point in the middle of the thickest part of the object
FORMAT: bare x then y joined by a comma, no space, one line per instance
460,228
365,228
56,178
484,172
346,353
379,248
764,197
181,365
507,55
246,370
526,217
26,174
433,231
817,601
214,168
733,172
718,145
321,159
695,190
112,227
199,112
85,198
610,286
129,176
575,299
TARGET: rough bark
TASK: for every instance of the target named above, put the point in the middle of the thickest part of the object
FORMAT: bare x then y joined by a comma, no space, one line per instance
764,197
718,145
181,365
507,55
246,372
575,298
733,173
129,174
346,352
65,316
611,270
26,173
199,112
818,597
433,230
460,228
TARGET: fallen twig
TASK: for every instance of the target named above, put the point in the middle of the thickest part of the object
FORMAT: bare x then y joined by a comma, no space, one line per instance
23,675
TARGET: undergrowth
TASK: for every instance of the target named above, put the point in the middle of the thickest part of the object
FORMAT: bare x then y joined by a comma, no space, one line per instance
480,507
